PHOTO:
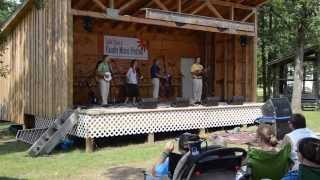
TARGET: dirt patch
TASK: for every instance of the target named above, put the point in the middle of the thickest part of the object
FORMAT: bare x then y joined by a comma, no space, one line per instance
124,173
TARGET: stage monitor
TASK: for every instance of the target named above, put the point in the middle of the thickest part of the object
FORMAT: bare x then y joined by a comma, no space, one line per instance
236,100
277,107
181,102
211,101
148,103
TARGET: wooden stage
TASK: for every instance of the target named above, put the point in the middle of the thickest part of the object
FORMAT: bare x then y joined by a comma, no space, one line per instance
99,122
118,121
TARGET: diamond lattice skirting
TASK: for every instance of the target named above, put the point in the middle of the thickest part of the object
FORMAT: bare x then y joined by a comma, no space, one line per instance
108,122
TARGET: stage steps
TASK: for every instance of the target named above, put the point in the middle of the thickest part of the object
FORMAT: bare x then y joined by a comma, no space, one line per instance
30,136
54,134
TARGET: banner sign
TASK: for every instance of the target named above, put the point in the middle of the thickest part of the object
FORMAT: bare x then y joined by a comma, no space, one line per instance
125,48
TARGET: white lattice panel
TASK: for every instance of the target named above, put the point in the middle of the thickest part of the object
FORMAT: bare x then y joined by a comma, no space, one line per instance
43,122
117,123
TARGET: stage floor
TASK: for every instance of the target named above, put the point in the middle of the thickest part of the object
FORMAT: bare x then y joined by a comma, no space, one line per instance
123,120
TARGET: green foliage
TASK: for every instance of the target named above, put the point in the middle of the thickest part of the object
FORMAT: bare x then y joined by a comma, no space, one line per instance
282,24
7,7
280,21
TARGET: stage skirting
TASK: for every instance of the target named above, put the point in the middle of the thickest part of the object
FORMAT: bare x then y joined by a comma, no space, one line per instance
119,121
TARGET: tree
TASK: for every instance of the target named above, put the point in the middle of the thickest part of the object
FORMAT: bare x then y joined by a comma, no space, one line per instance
301,17
290,25
7,7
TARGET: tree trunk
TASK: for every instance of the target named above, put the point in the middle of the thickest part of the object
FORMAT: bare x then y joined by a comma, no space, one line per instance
317,76
298,73
264,58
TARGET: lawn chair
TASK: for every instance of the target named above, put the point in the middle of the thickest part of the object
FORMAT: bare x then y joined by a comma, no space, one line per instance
269,165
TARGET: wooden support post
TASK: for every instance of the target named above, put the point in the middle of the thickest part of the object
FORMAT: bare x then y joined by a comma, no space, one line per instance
151,138
111,4
89,145
179,6
232,13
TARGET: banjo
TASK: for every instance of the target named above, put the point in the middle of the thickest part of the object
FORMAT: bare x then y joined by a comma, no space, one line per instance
107,77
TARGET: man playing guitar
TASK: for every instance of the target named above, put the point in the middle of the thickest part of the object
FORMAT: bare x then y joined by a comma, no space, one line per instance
104,73
197,72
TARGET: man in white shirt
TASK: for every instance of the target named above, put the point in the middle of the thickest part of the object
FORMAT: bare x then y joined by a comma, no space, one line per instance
299,131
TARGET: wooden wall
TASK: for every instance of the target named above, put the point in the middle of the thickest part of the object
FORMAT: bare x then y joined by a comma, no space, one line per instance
162,42
38,54
234,67
231,63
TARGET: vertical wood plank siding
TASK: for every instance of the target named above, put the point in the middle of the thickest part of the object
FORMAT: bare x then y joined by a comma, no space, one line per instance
39,56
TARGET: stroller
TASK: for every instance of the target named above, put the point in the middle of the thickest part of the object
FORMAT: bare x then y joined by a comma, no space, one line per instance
203,163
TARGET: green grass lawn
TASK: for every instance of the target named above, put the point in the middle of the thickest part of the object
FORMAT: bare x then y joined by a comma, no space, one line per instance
313,120
76,164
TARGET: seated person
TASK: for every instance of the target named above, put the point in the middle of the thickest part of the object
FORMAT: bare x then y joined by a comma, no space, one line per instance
309,158
161,168
266,138
265,160
299,131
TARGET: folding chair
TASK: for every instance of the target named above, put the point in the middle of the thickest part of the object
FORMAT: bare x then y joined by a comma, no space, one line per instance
270,165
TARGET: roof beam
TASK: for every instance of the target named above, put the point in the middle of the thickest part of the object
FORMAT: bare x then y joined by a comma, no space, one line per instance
100,4
203,5
229,4
160,4
157,22
248,16
126,5
182,18
263,3
214,10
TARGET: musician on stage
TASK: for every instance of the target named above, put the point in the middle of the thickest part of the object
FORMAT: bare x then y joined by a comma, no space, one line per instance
132,82
155,76
197,73
104,72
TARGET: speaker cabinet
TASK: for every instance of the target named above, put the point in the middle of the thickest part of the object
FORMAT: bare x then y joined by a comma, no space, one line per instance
211,101
180,102
278,112
277,107
236,100
148,103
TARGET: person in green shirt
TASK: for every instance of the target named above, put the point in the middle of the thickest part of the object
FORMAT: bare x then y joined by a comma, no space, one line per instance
104,75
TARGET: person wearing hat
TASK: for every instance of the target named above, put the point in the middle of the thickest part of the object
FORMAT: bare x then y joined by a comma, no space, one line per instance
299,131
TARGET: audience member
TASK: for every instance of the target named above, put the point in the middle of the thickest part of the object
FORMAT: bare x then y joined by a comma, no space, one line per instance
309,158
299,131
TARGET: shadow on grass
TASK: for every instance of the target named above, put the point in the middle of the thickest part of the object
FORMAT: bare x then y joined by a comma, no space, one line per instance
10,178
12,147
129,173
